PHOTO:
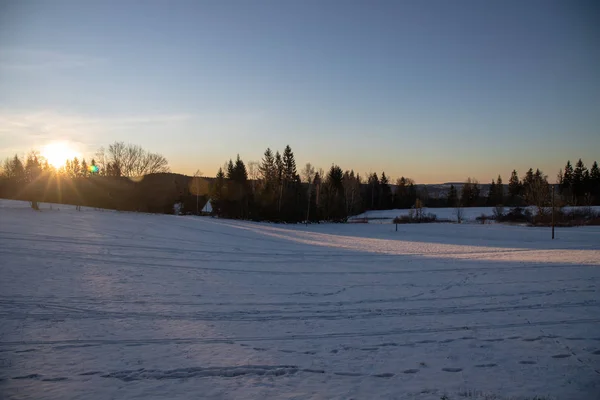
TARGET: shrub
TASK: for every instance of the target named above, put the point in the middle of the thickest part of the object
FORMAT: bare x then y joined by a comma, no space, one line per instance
498,212
413,218
516,214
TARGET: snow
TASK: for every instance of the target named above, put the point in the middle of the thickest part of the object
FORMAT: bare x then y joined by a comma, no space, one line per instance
469,213
102,304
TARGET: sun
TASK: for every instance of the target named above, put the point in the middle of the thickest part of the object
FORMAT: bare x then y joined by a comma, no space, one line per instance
58,153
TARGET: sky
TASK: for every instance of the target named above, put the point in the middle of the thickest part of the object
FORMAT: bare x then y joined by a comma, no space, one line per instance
435,90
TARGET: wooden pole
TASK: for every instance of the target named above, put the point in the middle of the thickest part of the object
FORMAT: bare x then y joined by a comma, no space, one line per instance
552,212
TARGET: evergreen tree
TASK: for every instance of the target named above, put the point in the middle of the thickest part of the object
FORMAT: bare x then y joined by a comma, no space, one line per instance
217,196
278,167
595,181
452,197
514,187
289,165
94,168
333,194
385,200
491,199
230,170
566,183
499,199
579,181
374,190
267,168
470,193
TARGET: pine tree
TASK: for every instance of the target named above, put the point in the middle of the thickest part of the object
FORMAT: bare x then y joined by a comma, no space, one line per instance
579,181
334,195
499,199
278,167
514,187
566,184
491,199
385,200
289,165
373,183
267,167
230,170
240,174
94,168
217,196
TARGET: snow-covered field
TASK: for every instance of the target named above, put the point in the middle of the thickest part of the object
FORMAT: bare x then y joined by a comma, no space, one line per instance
99,304
469,213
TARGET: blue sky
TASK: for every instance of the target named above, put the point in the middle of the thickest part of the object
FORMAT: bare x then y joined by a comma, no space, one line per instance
434,90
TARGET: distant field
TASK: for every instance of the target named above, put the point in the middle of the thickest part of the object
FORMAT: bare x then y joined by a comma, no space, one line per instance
106,304
469,213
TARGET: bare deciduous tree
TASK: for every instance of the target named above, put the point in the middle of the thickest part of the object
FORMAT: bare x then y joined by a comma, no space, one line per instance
131,160
308,173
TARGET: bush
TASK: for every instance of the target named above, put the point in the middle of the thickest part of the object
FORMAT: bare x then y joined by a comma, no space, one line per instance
498,212
516,214
414,218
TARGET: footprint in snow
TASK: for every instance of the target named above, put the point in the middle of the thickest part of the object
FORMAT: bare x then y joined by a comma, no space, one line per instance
491,365
410,371
451,369
561,356
527,362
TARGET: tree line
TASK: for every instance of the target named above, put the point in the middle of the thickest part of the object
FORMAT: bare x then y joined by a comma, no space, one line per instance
273,189
104,182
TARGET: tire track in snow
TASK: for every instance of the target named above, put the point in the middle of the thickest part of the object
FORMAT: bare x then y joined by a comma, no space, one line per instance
338,335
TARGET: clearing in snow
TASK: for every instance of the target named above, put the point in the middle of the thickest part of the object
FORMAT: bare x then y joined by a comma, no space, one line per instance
101,304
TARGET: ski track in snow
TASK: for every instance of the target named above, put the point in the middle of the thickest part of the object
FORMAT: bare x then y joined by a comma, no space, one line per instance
101,304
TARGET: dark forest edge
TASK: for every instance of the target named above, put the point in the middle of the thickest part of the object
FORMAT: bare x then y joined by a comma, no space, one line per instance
127,177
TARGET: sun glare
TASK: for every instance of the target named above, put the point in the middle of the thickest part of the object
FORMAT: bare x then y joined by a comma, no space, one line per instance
58,153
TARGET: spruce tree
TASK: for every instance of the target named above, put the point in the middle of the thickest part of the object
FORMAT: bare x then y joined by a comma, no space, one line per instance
491,199
499,191
373,183
385,200
579,181
514,187
566,184
267,167
289,165
230,170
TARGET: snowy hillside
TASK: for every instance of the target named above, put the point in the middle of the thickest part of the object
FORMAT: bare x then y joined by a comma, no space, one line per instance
99,304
